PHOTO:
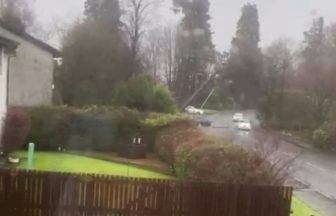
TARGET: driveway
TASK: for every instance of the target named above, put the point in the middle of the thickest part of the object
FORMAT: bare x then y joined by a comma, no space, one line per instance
313,174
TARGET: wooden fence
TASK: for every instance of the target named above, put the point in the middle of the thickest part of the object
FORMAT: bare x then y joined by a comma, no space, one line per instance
43,194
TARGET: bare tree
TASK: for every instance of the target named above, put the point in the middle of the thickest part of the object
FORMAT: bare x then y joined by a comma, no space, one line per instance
169,49
159,53
153,53
137,15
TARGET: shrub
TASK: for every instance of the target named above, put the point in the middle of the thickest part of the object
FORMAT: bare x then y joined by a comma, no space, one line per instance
154,123
91,128
325,136
142,93
321,138
16,128
223,162
194,155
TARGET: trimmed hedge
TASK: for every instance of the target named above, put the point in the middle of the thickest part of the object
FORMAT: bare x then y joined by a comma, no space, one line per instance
93,128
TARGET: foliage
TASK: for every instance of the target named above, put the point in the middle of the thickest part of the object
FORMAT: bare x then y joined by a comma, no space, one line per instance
321,138
91,128
162,120
286,110
142,93
245,61
325,136
181,168
95,59
16,14
194,155
195,50
107,11
224,162
16,128
317,70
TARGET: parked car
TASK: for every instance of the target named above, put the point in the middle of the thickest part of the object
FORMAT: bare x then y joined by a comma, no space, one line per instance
238,117
193,110
244,125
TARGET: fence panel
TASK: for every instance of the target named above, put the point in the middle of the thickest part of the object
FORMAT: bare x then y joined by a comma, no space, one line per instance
35,193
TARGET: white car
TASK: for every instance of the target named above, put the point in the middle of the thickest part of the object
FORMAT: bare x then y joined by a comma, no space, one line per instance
244,125
238,117
193,110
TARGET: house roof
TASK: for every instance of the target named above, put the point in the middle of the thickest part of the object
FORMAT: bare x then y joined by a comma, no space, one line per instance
55,52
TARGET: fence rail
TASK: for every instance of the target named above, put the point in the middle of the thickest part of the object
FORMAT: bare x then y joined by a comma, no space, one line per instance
32,193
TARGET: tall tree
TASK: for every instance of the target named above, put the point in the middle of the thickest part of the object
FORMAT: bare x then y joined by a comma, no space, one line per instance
159,53
318,70
278,66
137,15
95,56
17,14
245,62
195,50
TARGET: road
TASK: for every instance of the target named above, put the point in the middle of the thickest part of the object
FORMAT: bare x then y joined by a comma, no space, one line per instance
313,173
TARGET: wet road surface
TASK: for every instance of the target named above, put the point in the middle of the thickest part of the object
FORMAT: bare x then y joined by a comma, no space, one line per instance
313,173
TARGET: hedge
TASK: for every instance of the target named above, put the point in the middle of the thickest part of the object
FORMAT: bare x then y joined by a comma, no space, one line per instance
93,128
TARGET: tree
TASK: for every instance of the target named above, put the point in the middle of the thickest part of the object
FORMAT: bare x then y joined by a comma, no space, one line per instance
159,54
278,66
245,62
317,70
278,69
153,53
106,11
95,56
195,50
17,14
136,18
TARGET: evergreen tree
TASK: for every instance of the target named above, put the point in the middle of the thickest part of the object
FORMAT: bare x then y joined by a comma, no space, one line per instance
245,62
194,47
95,56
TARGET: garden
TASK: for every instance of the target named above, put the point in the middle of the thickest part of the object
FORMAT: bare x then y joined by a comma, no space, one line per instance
64,136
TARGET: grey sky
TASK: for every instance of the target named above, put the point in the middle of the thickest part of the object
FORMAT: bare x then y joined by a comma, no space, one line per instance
278,18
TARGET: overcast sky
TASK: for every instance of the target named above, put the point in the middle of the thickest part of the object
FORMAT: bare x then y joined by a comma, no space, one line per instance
278,18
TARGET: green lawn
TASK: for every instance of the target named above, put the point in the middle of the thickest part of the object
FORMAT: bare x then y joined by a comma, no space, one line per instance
302,209
61,162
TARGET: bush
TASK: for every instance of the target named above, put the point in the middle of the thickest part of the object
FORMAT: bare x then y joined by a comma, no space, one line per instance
194,155
224,162
16,128
325,136
142,93
92,128
321,138
155,122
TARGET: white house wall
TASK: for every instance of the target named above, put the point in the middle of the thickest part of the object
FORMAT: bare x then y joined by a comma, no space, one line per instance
3,89
31,73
